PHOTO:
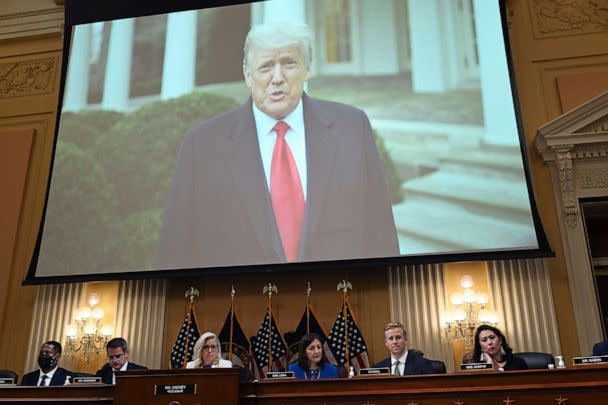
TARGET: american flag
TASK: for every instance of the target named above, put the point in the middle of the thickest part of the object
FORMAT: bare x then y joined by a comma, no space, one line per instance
308,324
259,344
357,349
182,350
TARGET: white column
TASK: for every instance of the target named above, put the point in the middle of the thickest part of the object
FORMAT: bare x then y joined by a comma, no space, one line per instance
427,46
382,29
497,101
118,69
77,81
180,55
279,10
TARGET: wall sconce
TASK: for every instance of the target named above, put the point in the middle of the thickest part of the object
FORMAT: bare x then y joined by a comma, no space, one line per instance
470,312
88,335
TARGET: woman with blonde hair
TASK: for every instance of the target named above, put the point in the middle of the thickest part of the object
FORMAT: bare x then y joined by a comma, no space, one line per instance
208,353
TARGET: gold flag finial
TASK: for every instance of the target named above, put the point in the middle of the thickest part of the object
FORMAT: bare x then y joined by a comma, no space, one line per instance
308,290
191,293
270,289
344,286
232,292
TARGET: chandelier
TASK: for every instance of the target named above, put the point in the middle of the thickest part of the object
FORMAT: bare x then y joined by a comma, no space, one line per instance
470,312
87,335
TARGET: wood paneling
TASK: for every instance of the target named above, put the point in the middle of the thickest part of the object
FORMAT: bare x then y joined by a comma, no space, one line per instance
540,56
369,300
28,103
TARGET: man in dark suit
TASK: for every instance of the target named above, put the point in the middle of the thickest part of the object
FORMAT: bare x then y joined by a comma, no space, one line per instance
283,178
49,373
601,348
118,360
402,361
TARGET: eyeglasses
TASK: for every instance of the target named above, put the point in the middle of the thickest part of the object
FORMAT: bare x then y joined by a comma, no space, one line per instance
210,347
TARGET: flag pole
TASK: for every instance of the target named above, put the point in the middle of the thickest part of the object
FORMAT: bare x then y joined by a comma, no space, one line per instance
308,291
190,293
269,289
229,356
345,286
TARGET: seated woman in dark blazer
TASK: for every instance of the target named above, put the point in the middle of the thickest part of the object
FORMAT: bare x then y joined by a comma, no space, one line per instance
312,363
491,347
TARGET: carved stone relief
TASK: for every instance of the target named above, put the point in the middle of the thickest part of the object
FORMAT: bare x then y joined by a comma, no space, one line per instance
566,184
593,178
27,77
562,17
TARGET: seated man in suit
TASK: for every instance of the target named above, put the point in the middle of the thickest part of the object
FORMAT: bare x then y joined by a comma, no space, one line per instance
118,360
601,348
49,373
402,361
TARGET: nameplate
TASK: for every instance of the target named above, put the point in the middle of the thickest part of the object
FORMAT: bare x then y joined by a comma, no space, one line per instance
86,380
279,374
7,381
374,371
590,360
475,366
173,389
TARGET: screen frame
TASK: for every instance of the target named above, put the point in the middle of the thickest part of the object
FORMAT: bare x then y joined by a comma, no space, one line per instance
80,12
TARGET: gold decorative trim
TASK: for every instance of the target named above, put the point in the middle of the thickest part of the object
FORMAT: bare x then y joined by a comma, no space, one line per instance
26,78
560,17
566,184
595,178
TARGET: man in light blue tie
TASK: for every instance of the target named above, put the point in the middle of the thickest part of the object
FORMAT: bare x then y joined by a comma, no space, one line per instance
402,361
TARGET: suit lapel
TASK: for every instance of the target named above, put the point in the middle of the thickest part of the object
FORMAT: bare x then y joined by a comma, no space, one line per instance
249,181
321,147
58,378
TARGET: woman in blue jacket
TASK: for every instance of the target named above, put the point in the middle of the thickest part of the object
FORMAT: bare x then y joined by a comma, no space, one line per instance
312,363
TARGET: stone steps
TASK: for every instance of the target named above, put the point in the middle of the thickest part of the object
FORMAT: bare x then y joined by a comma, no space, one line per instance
427,225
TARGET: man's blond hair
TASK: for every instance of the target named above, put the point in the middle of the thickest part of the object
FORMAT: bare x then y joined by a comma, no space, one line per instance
395,325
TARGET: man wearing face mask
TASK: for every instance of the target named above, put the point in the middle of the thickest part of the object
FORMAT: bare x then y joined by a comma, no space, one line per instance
49,373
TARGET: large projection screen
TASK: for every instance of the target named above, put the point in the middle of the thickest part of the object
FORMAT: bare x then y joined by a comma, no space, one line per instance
406,143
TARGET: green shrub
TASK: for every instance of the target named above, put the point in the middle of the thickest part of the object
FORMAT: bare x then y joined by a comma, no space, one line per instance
393,178
138,154
84,128
77,226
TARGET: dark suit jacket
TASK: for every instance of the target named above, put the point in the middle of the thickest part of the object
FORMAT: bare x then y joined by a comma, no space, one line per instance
414,364
106,371
515,363
601,348
219,212
31,379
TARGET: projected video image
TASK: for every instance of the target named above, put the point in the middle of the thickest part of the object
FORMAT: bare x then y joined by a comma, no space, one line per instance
397,136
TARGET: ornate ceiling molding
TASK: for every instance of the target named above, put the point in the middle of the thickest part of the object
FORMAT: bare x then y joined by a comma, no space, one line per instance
39,22
565,17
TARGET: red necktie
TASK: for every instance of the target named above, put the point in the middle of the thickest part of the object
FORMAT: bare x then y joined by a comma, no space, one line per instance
286,194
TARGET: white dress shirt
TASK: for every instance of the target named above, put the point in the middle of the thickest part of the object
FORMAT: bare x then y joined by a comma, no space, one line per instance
400,366
49,376
123,368
295,138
